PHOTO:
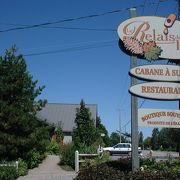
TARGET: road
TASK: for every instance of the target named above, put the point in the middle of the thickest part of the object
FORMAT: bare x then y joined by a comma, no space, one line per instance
158,155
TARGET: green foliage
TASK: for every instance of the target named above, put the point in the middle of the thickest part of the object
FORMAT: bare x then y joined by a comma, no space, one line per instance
121,169
85,131
153,53
169,166
68,155
103,133
53,148
8,173
95,161
147,143
155,141
141,140
114,138
33,158
20,130
111,170
23,167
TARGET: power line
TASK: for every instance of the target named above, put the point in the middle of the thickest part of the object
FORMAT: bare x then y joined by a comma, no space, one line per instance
64,27
75,19
142,103
78,48
80,28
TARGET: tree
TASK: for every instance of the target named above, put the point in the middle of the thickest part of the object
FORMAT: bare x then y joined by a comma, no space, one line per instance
84,133
155,143
174,134
114,138
147,142
141,139
102,131
164,138
20,130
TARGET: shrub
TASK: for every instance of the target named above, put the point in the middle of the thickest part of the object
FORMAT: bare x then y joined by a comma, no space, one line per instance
94,161
101,171
23,167
33,158
8,173
121,169
68,155
53,148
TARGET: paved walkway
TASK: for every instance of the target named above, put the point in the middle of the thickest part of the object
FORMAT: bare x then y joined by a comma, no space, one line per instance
49,170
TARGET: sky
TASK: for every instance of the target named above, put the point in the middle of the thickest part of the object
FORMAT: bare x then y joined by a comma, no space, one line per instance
76,54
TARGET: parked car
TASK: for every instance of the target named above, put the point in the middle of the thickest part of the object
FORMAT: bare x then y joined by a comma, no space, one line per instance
120,148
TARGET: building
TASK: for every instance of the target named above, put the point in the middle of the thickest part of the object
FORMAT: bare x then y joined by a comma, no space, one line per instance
64,114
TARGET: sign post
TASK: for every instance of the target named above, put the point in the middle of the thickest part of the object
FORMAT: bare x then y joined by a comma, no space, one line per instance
134,112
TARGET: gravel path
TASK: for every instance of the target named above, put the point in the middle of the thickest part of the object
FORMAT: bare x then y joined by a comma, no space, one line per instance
49,170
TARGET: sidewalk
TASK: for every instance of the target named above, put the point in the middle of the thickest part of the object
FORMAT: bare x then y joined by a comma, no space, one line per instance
49,170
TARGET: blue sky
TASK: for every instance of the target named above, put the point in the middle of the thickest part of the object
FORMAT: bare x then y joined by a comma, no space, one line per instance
80,58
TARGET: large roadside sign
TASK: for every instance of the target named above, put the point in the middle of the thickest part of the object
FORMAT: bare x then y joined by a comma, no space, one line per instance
157,90
151,37
159,118
159,72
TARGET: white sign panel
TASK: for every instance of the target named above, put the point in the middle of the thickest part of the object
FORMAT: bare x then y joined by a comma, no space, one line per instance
157,72
157,90
159,118
153,29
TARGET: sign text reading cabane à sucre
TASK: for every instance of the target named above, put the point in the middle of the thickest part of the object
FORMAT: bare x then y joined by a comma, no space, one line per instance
157,72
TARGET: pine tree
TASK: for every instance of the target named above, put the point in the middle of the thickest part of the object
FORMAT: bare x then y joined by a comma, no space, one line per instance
84,134
155,141
141,139
102,131
20,131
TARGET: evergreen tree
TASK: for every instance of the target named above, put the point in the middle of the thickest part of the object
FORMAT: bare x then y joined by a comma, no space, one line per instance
85,132
141,139
20,131
103,133
174,134
155,142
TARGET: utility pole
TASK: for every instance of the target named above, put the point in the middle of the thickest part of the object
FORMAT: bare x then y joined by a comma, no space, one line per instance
134,111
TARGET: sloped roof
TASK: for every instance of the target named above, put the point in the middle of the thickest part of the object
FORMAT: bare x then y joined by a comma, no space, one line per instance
64,113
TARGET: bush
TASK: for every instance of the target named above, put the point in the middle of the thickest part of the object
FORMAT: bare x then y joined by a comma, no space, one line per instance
34,158
101,171
8,173
166,166
121,169
68,155
94,161
23,167
53,148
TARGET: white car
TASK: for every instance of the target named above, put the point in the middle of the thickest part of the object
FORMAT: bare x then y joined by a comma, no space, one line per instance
120,148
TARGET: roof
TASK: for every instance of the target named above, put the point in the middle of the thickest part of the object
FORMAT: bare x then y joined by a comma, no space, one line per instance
64,113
